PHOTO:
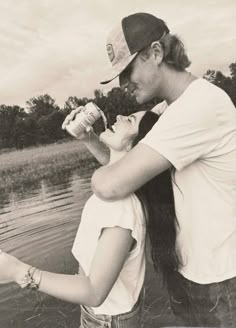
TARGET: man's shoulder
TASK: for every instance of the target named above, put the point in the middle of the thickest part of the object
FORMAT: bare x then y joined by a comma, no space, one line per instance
199,98
204,90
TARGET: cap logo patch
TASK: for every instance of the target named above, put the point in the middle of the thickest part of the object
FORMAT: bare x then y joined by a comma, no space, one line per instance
110,52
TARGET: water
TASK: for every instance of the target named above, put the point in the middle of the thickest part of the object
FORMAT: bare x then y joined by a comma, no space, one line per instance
38,226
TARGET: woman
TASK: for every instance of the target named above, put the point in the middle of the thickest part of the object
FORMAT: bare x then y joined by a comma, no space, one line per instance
111,254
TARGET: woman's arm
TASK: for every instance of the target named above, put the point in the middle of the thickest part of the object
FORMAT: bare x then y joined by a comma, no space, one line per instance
127,175
97,148
112,251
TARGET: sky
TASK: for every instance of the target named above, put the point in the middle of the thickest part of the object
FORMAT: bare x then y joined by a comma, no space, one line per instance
58,47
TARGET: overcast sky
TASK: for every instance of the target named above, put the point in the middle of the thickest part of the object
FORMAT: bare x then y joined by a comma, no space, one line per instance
58,46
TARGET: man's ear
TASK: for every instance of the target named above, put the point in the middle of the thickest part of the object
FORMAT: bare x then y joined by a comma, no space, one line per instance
157,51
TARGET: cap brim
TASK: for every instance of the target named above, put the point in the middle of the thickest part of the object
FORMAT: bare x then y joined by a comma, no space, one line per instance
118,68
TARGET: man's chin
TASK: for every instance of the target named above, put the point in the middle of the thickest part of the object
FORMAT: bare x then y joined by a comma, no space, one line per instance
142,99
140,96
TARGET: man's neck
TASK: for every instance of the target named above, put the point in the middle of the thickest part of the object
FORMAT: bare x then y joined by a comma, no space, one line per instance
175,83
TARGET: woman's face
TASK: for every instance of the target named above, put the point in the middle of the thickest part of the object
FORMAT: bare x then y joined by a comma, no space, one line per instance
123,132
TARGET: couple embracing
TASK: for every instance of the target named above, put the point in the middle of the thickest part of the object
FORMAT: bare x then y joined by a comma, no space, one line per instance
189,141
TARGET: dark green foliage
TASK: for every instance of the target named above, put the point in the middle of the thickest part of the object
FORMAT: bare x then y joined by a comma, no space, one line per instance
41,106
72,103
232,89
227,83
11,121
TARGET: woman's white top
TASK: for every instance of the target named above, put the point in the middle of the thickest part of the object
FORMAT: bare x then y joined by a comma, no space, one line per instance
128,214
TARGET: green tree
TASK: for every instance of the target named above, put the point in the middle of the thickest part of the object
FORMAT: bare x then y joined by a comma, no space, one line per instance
219,79
227,83
72,103
47,118
10,119
42,105
49,127
232,91
28,137
232,68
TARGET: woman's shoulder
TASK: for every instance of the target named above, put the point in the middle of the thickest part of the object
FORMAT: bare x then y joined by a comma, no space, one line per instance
129,206
130,200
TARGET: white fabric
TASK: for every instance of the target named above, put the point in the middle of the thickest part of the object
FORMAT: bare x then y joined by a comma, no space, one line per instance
160,108
197,134
128,214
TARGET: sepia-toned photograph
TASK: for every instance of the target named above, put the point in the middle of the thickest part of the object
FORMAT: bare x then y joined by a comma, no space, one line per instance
117,164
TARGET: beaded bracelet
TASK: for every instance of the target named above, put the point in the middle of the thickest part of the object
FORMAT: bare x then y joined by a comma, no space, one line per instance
31,279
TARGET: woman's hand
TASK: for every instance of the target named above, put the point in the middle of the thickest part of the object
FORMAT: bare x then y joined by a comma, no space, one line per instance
70,117
11,269
97,148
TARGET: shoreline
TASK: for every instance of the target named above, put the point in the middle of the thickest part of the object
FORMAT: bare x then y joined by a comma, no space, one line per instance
21,168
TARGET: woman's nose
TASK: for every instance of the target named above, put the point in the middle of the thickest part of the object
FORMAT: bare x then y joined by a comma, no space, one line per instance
119,118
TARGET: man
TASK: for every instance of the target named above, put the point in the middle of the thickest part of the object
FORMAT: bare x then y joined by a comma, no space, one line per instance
196,137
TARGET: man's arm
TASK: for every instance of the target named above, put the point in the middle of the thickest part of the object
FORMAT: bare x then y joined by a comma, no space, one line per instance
118,180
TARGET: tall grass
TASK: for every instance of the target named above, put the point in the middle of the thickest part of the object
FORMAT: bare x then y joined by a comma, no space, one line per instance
22,167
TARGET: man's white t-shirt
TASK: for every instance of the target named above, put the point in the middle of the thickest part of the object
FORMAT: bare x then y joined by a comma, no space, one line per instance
126,213
197,134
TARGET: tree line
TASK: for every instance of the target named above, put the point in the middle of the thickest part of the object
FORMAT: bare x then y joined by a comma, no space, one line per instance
40,122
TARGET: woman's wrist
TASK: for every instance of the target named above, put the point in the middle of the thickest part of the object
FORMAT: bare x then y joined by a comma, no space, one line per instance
28,276
20,272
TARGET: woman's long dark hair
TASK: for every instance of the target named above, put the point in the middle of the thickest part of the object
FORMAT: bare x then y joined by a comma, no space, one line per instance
158,199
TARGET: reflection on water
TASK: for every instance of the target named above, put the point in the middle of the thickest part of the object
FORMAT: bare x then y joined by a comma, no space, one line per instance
39,226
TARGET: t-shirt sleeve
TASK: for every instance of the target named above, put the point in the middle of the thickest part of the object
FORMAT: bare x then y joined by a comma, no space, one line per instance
126,213
98,215
184,134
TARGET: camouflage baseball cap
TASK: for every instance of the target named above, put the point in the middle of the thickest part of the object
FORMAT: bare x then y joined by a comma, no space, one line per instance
134,33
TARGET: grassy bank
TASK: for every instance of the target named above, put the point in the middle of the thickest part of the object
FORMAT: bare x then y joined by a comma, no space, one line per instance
24,167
